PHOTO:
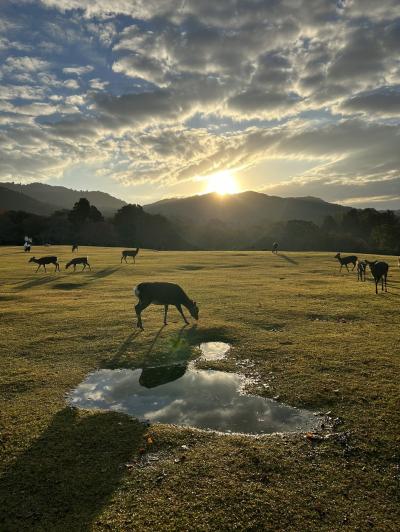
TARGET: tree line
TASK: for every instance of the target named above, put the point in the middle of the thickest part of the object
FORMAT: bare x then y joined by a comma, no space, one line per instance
361,230
84,224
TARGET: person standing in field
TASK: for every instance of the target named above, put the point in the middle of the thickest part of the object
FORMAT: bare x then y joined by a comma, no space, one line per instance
275,247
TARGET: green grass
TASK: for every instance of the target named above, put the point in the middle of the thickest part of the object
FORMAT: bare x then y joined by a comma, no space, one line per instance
317,338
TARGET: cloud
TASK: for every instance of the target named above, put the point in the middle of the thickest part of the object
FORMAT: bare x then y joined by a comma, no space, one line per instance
78,70
383,101
166,91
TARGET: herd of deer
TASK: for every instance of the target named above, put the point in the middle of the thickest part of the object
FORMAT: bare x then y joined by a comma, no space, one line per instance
379,269
166,294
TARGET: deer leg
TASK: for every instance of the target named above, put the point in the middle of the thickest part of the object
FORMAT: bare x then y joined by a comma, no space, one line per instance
179,308
37,269
89,267
165,314
354,265
44,266
347,268
139,309
121,259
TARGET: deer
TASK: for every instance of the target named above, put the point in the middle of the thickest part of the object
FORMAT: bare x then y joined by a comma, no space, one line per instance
275,247
78,260
379,270
129,253
361,269
344,261
45,260
163,294
74,247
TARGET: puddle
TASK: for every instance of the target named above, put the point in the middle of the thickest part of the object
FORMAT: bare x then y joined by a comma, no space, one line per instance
214,350
181,395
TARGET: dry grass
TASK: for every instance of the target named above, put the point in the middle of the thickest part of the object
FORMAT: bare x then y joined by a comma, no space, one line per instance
318,339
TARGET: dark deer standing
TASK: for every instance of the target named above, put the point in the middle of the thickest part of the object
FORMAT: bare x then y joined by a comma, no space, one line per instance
45,260
275,247
129,253
74,247
78,260
163,294
361,269
344,261
379,270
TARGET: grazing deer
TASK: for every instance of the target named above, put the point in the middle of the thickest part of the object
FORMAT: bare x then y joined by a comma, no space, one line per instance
45,260
129,253
78,260
163,294
74,247
361,269
344,261
379,270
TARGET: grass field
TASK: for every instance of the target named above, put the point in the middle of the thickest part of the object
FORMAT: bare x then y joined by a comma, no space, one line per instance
316,338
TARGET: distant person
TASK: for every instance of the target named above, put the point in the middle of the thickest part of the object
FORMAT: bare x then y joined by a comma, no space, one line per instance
74,247
275,247
27,246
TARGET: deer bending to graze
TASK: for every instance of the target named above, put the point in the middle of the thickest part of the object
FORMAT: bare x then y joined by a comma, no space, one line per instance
163,294
129,253
344,261
78,260
361,269
45,260
379,270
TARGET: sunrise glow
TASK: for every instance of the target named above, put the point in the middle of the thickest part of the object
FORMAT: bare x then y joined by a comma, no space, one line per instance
222,183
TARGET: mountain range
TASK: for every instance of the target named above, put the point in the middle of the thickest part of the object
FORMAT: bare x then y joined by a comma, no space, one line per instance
244,209
48,198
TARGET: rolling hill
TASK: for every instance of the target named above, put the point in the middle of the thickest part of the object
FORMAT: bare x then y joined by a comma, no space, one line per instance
64,198
11,200
245,209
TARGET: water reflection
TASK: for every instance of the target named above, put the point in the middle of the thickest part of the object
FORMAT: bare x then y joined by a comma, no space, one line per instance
188,397
214,350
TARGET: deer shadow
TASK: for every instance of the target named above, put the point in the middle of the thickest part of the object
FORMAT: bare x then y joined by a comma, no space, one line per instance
177,349
39,281
288,259
68,286
66,478
105,272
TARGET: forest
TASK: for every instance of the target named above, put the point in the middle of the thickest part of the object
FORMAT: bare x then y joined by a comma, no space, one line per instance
362,230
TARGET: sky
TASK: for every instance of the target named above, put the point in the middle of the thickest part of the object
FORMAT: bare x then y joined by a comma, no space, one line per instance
151,99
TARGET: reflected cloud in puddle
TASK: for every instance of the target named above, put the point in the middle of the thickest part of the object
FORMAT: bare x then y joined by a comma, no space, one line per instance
184,396
214,350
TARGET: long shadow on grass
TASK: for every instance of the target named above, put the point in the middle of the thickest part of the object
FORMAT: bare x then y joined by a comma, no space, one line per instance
64,480
288,259
105,272
86,280
38,281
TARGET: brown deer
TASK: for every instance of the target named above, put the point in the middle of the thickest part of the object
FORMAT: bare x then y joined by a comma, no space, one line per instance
361,269
129,253
45,260
74,247
344,261
163,294
379,270
78,260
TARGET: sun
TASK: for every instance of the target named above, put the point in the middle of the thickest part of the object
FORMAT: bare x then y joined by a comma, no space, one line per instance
222,183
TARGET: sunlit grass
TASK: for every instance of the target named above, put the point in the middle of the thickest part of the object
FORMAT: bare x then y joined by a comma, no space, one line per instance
314,337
